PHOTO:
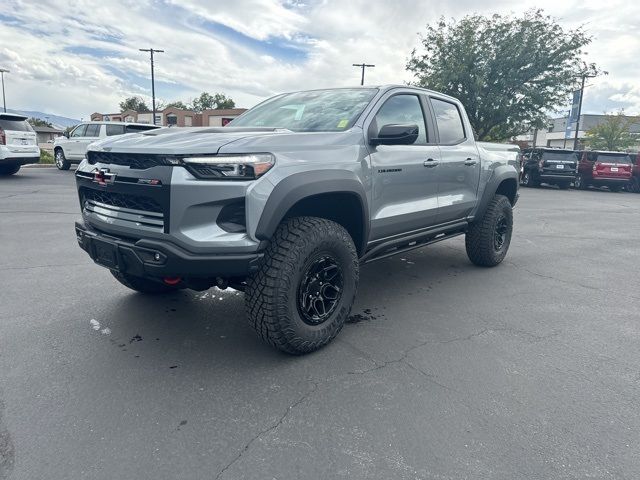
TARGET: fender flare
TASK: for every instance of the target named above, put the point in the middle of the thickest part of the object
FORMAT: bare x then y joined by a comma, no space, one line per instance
302,185
500,174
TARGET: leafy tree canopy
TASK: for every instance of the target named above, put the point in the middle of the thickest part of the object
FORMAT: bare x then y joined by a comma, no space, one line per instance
136,104
177,104
38,122
614,133
508,71
216,101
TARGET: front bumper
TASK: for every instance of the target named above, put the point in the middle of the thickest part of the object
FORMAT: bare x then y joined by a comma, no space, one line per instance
158,258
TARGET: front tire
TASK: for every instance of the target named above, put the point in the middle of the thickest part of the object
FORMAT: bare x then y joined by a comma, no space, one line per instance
9,169
301,296
487,240
142,285
61,161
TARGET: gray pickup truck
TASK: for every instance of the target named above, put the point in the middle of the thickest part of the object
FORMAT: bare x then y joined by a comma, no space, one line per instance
288,201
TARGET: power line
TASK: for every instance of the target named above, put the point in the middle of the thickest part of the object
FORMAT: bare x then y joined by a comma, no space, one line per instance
363,66
153,86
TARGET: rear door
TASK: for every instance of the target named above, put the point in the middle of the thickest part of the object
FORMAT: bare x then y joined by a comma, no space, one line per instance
18,133
405,186
459,170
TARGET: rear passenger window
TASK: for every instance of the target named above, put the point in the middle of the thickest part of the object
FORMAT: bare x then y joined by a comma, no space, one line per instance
449,121
403,109
114,130
93,130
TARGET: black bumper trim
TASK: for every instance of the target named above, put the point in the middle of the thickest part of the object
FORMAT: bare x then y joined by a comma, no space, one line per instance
20,160
139,257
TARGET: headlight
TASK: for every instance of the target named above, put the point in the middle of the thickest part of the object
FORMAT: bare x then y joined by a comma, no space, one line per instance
232,167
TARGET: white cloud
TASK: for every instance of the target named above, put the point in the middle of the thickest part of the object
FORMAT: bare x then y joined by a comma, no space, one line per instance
260,59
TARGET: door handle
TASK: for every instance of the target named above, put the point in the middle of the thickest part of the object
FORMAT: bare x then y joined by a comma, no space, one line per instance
470,162
430,163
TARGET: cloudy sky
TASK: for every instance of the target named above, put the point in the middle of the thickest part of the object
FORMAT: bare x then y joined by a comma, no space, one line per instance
73,57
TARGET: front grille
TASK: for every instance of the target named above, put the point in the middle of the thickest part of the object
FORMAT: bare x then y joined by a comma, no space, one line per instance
140,161
135,210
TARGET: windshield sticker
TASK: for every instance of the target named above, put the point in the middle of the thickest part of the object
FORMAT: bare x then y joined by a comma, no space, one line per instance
343,123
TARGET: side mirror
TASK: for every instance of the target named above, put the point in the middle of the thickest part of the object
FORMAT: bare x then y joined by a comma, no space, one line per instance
397,134
65,134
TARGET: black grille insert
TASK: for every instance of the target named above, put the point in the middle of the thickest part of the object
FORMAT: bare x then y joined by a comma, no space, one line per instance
135,202
138,161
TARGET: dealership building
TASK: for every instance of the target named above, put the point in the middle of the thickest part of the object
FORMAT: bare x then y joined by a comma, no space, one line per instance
558,135
174,117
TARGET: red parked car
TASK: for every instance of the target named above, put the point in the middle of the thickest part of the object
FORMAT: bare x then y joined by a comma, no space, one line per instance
634,183
603,169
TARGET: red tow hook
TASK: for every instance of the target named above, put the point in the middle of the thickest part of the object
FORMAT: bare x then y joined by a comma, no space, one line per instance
172,280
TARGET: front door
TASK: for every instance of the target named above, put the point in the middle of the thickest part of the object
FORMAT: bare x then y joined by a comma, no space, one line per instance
459,170
405,187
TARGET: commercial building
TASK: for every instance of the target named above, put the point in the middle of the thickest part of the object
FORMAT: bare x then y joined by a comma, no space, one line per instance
556,134
174,116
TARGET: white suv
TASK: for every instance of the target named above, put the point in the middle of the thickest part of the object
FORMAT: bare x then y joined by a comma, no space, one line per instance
72,147
18,143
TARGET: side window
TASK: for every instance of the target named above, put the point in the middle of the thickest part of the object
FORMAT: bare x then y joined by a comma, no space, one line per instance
79,130
403,109
93,130
449,122
114,130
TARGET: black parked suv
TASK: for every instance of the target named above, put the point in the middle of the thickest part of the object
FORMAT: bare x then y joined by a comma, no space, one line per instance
548,165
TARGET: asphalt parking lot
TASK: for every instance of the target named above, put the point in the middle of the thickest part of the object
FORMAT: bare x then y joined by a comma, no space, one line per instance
527,370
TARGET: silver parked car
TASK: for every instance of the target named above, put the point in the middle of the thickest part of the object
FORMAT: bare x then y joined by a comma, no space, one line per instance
72,147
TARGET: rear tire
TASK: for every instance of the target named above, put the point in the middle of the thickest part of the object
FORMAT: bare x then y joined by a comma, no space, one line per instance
616,188
9,169
487,240
61,161
564,186
579,183
529,180
143,285
301,296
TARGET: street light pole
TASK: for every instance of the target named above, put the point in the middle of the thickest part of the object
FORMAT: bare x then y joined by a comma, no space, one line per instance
4,101
363,66
153,86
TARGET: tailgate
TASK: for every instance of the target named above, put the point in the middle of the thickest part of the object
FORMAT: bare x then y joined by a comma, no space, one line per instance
17,138
612,169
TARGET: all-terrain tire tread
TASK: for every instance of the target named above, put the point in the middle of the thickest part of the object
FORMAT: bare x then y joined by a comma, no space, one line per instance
479,237
265,296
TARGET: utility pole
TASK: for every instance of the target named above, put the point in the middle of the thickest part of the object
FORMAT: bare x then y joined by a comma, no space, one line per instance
575,138
4,101
153,86
363,66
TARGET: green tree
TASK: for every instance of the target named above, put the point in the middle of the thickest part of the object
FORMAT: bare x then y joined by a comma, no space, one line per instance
216,101
136,104
508,72
38,122
614,133
177,104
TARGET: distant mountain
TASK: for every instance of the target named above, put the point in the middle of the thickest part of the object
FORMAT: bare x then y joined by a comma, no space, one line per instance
56,120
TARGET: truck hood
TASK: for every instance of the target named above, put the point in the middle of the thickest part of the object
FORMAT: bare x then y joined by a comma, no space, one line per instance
176,141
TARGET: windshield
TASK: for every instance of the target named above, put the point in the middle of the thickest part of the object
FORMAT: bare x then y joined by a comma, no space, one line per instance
314,111
564,156
15,125
621,158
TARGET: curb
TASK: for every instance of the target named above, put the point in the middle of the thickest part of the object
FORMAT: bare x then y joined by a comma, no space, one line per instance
39,165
